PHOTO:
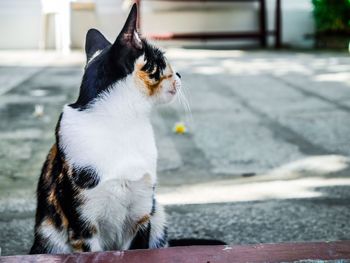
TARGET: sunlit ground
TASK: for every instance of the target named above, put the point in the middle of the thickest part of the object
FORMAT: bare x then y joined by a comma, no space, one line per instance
300,179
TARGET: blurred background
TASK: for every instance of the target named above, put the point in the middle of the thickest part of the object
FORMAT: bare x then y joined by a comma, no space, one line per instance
257,152
27,19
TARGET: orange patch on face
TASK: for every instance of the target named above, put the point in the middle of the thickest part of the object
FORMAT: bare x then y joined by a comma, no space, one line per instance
151,85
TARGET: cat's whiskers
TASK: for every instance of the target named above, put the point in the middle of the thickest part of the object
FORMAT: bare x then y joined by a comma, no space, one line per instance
184,102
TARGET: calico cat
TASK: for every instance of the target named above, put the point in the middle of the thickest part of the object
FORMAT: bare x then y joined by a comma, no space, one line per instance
97,187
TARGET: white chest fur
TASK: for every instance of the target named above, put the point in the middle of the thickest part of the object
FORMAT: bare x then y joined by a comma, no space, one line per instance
114,136
115,207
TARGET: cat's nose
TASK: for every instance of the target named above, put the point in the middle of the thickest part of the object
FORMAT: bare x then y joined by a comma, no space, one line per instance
178,74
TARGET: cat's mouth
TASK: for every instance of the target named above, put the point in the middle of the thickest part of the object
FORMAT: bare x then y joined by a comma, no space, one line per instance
172,91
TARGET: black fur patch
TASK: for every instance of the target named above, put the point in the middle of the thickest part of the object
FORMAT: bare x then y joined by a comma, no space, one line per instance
85,177
56,184
141,240
94,42
86,247
57,129
39,246
154,61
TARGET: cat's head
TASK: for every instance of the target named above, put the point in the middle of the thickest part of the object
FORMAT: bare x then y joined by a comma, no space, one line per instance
130,57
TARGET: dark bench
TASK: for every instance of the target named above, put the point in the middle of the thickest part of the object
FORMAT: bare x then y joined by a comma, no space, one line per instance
261,34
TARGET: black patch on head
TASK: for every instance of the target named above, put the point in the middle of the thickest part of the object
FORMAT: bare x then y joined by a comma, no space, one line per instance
116,61
94,41
129,36
85,177
155,61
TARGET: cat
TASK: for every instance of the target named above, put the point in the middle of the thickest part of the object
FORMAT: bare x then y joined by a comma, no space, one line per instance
96,191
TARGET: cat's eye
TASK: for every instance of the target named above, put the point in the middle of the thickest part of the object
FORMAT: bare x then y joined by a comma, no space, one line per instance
178,74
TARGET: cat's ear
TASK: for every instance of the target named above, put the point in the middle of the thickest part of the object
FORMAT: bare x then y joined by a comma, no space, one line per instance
94,42
129,36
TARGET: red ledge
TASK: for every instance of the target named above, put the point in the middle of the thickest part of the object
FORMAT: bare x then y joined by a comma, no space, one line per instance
285,252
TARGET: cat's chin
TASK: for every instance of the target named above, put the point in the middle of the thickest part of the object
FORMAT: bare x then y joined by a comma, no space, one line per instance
166,98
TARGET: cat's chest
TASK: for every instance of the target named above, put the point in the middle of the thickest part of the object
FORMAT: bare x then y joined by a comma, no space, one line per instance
115,149
129,157
116,206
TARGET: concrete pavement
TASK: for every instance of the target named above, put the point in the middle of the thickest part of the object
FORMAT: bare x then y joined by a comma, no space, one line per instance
266,158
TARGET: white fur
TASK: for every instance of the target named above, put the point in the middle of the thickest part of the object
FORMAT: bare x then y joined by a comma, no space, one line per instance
115,207
57,240
158,222
95,244
98,52
114,136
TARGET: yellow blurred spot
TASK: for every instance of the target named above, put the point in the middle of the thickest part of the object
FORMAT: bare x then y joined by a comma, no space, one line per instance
180,128
38,111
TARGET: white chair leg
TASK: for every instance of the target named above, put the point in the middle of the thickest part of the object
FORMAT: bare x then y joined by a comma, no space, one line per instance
58,32
65,22
44,31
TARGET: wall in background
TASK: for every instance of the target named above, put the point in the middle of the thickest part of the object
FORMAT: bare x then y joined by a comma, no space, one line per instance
19,24
20,20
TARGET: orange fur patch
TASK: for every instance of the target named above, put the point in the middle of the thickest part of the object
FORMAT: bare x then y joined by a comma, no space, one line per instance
52,199
151,86
77,245
93,230
143,220
50,158
48,222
